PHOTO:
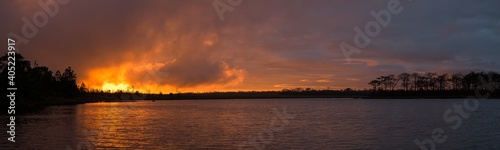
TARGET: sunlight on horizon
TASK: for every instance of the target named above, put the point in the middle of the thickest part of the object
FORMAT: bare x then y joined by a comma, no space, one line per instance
115,87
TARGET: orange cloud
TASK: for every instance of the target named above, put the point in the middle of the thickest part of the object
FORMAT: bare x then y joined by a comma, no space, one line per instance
323,81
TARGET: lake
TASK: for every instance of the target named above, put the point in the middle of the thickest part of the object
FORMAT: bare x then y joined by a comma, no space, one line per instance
262,124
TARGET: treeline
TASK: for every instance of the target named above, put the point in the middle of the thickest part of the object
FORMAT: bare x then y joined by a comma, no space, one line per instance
457,84
36,82
433,81
285,93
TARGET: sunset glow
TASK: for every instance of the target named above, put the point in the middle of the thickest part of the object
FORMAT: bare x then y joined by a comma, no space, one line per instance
250,74
115,87
188,48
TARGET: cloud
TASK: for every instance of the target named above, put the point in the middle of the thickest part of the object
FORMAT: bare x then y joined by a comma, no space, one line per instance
199,71
166,45
323,81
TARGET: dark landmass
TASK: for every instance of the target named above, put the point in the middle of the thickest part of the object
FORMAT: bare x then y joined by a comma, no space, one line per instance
37,87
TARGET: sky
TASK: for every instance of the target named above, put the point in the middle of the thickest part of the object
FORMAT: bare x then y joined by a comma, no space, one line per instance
186,46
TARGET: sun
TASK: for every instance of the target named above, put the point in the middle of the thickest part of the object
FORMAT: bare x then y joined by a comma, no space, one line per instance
115,87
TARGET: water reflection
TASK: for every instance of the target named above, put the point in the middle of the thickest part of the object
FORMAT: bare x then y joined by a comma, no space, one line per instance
226,124
180,124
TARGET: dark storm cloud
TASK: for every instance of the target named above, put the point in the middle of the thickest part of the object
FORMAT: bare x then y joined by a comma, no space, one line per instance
437,31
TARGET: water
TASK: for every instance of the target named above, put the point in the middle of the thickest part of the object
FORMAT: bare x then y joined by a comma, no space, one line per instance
254,123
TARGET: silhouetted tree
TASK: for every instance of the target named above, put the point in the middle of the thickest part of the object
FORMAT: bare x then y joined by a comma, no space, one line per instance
38,82
393,81
431,81
423,83
442,81
41,78
468,80
57,76
375,84
415,78
405,79
430,84
68,82
456,80
22,70
83,88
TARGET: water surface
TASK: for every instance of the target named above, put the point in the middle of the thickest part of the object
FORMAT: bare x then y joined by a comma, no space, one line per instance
256,123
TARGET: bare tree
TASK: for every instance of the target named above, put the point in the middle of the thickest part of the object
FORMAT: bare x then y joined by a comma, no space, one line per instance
456,80
415,78
431,80
375,84
405,78
442,81
393,81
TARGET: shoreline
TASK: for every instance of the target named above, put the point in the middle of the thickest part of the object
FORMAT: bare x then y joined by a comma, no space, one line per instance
76,101
23,105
